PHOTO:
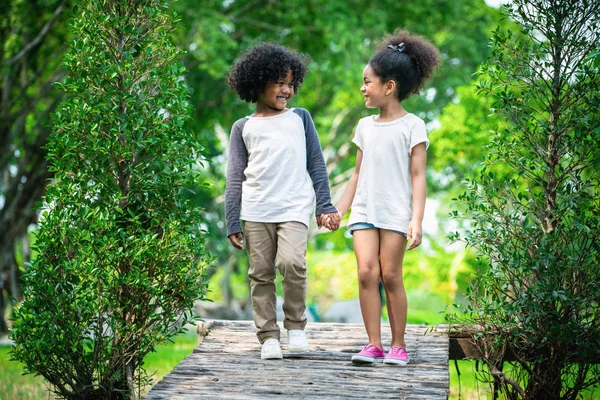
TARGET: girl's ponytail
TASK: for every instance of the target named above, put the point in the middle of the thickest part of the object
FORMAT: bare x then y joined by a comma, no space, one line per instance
406,58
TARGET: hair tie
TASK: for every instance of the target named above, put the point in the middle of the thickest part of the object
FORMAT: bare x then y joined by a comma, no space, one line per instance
397,47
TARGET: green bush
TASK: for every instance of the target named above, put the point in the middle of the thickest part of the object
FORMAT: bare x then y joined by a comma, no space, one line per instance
120,258
535,209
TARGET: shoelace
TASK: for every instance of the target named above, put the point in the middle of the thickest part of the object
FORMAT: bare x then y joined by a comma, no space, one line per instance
398,350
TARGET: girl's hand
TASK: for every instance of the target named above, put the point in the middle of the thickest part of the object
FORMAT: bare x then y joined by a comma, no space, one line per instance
414,234
237,240
331,221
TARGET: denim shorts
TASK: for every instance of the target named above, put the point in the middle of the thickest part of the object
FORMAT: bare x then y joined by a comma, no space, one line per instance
365,225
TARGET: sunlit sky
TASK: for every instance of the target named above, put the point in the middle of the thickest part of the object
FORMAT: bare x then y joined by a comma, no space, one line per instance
495,3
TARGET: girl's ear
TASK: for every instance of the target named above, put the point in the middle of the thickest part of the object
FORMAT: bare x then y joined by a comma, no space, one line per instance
390,87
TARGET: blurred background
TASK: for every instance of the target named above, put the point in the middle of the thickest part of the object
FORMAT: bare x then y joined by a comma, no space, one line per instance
339,36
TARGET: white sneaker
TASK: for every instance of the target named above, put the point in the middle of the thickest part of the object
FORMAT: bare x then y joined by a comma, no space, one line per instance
297,342
271,350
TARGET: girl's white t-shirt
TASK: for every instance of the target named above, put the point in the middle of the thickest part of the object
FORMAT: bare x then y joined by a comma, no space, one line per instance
384,192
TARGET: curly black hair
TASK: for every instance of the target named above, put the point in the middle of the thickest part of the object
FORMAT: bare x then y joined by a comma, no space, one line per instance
263,64
407,59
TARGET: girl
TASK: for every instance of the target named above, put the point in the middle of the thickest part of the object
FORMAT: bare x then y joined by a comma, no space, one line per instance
275,167
387,189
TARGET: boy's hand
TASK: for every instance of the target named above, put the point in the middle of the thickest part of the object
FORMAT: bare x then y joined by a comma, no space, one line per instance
237,240
415,232
321,220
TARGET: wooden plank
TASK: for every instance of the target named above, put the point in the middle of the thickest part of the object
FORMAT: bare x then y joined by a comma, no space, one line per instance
463,349
462,345
226,364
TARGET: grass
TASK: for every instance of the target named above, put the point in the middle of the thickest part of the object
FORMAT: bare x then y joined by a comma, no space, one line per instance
466,387
167,356
16,386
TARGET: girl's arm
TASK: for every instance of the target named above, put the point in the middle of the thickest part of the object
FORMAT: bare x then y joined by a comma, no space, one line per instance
419,193
346,201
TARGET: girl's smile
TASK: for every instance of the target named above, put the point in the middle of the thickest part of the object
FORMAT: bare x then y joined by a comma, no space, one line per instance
372,89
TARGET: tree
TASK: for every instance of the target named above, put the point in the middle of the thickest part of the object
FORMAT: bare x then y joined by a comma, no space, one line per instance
535,208
121,258
465,128
32,37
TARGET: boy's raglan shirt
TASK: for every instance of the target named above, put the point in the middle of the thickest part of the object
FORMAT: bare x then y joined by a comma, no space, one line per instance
275,168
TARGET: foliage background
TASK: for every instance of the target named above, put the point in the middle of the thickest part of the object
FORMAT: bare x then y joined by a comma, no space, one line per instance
339,35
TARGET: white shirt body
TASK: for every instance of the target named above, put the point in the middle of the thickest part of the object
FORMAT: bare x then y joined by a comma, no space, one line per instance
278,187
384,191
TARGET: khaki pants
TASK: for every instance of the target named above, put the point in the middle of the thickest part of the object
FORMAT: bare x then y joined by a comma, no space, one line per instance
271,247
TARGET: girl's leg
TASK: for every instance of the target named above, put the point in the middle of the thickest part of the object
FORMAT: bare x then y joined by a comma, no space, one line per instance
366,248
391,250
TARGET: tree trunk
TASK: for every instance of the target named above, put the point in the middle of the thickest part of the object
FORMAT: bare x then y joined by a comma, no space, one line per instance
27,99
17,214
3,324
7,260
545,383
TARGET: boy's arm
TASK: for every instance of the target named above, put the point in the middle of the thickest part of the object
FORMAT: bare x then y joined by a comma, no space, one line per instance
237,161
315,164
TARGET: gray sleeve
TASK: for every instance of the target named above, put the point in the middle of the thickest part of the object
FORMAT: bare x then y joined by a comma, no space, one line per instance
315,164
237,160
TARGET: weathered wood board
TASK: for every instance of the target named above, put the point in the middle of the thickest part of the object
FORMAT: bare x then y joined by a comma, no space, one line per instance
227,365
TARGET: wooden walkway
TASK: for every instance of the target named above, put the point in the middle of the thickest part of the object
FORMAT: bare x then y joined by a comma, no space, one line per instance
227,365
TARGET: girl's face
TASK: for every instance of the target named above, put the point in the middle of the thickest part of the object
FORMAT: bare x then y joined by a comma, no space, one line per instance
277,94
376,93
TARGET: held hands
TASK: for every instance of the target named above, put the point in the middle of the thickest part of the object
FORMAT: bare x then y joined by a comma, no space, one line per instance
330,221
237,240
414,234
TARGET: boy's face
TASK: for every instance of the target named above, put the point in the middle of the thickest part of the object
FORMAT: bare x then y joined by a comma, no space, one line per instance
277,94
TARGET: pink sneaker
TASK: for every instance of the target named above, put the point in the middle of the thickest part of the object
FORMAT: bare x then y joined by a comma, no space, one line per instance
369,354
397,356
